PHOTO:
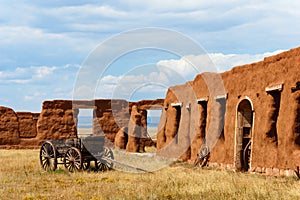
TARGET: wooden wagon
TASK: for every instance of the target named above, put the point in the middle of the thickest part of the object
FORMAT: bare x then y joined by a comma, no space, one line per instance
76,154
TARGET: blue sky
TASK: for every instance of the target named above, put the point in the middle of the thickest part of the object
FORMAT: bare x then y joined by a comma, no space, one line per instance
44,43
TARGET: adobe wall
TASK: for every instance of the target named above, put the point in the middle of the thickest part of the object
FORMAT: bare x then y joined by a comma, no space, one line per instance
112,115
275,131
27,124
58,120
27,129
9,127
17,130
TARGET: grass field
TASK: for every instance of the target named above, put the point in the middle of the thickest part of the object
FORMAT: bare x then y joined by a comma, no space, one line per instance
22,178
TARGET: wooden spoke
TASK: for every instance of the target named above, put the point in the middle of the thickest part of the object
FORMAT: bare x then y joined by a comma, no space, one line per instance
105,162
73,159
48,158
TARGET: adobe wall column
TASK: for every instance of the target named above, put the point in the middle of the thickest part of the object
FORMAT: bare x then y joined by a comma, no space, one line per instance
134,131
297,120
161,137
121,138
172,124
56,121
184,130
201,130
296,125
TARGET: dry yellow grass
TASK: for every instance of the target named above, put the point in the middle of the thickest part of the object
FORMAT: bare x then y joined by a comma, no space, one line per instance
22,178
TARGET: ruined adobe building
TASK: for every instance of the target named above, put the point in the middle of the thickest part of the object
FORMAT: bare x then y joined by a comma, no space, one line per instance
255,113
260,108
58,120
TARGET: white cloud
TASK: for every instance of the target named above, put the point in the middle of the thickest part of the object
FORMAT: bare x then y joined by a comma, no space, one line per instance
225,62
177,5
25,34
61,32
33,74
127,85
212,62
27,46
86,11
171,72
43,71
84,92
35,95
181,66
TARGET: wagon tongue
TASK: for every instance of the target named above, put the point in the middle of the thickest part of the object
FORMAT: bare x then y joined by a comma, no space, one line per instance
121,164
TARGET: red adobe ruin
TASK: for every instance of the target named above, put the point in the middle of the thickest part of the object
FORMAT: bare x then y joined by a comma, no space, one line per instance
251,121
249,117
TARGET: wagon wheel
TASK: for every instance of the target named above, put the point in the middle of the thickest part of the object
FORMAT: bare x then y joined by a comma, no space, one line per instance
48,158
73,159
104,164
246,153
86,164
202,157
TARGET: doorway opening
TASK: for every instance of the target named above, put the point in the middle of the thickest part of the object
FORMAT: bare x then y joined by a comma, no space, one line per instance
203,116
243,135
153,117
177,107
272,132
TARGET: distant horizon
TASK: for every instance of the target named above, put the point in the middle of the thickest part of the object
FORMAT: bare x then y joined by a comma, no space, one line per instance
86,121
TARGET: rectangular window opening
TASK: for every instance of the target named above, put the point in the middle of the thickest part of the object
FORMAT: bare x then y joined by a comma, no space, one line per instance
203,118
85,122
275,107
153,118
178,116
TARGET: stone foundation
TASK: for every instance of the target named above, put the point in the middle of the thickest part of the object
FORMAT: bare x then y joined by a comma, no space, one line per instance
259,170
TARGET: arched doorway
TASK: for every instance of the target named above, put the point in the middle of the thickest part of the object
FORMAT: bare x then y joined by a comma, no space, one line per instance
243,135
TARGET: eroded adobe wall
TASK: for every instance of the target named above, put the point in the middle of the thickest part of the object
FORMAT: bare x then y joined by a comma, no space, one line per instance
59,118
178,116
271,147
17,129
111,116
9,127
142,107
28,129
27,124
134,130
270,150
167,127
56,120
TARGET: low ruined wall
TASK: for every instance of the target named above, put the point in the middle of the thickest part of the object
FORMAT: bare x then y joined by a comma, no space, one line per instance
17,130
9,127
27,124
111,116
58,120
